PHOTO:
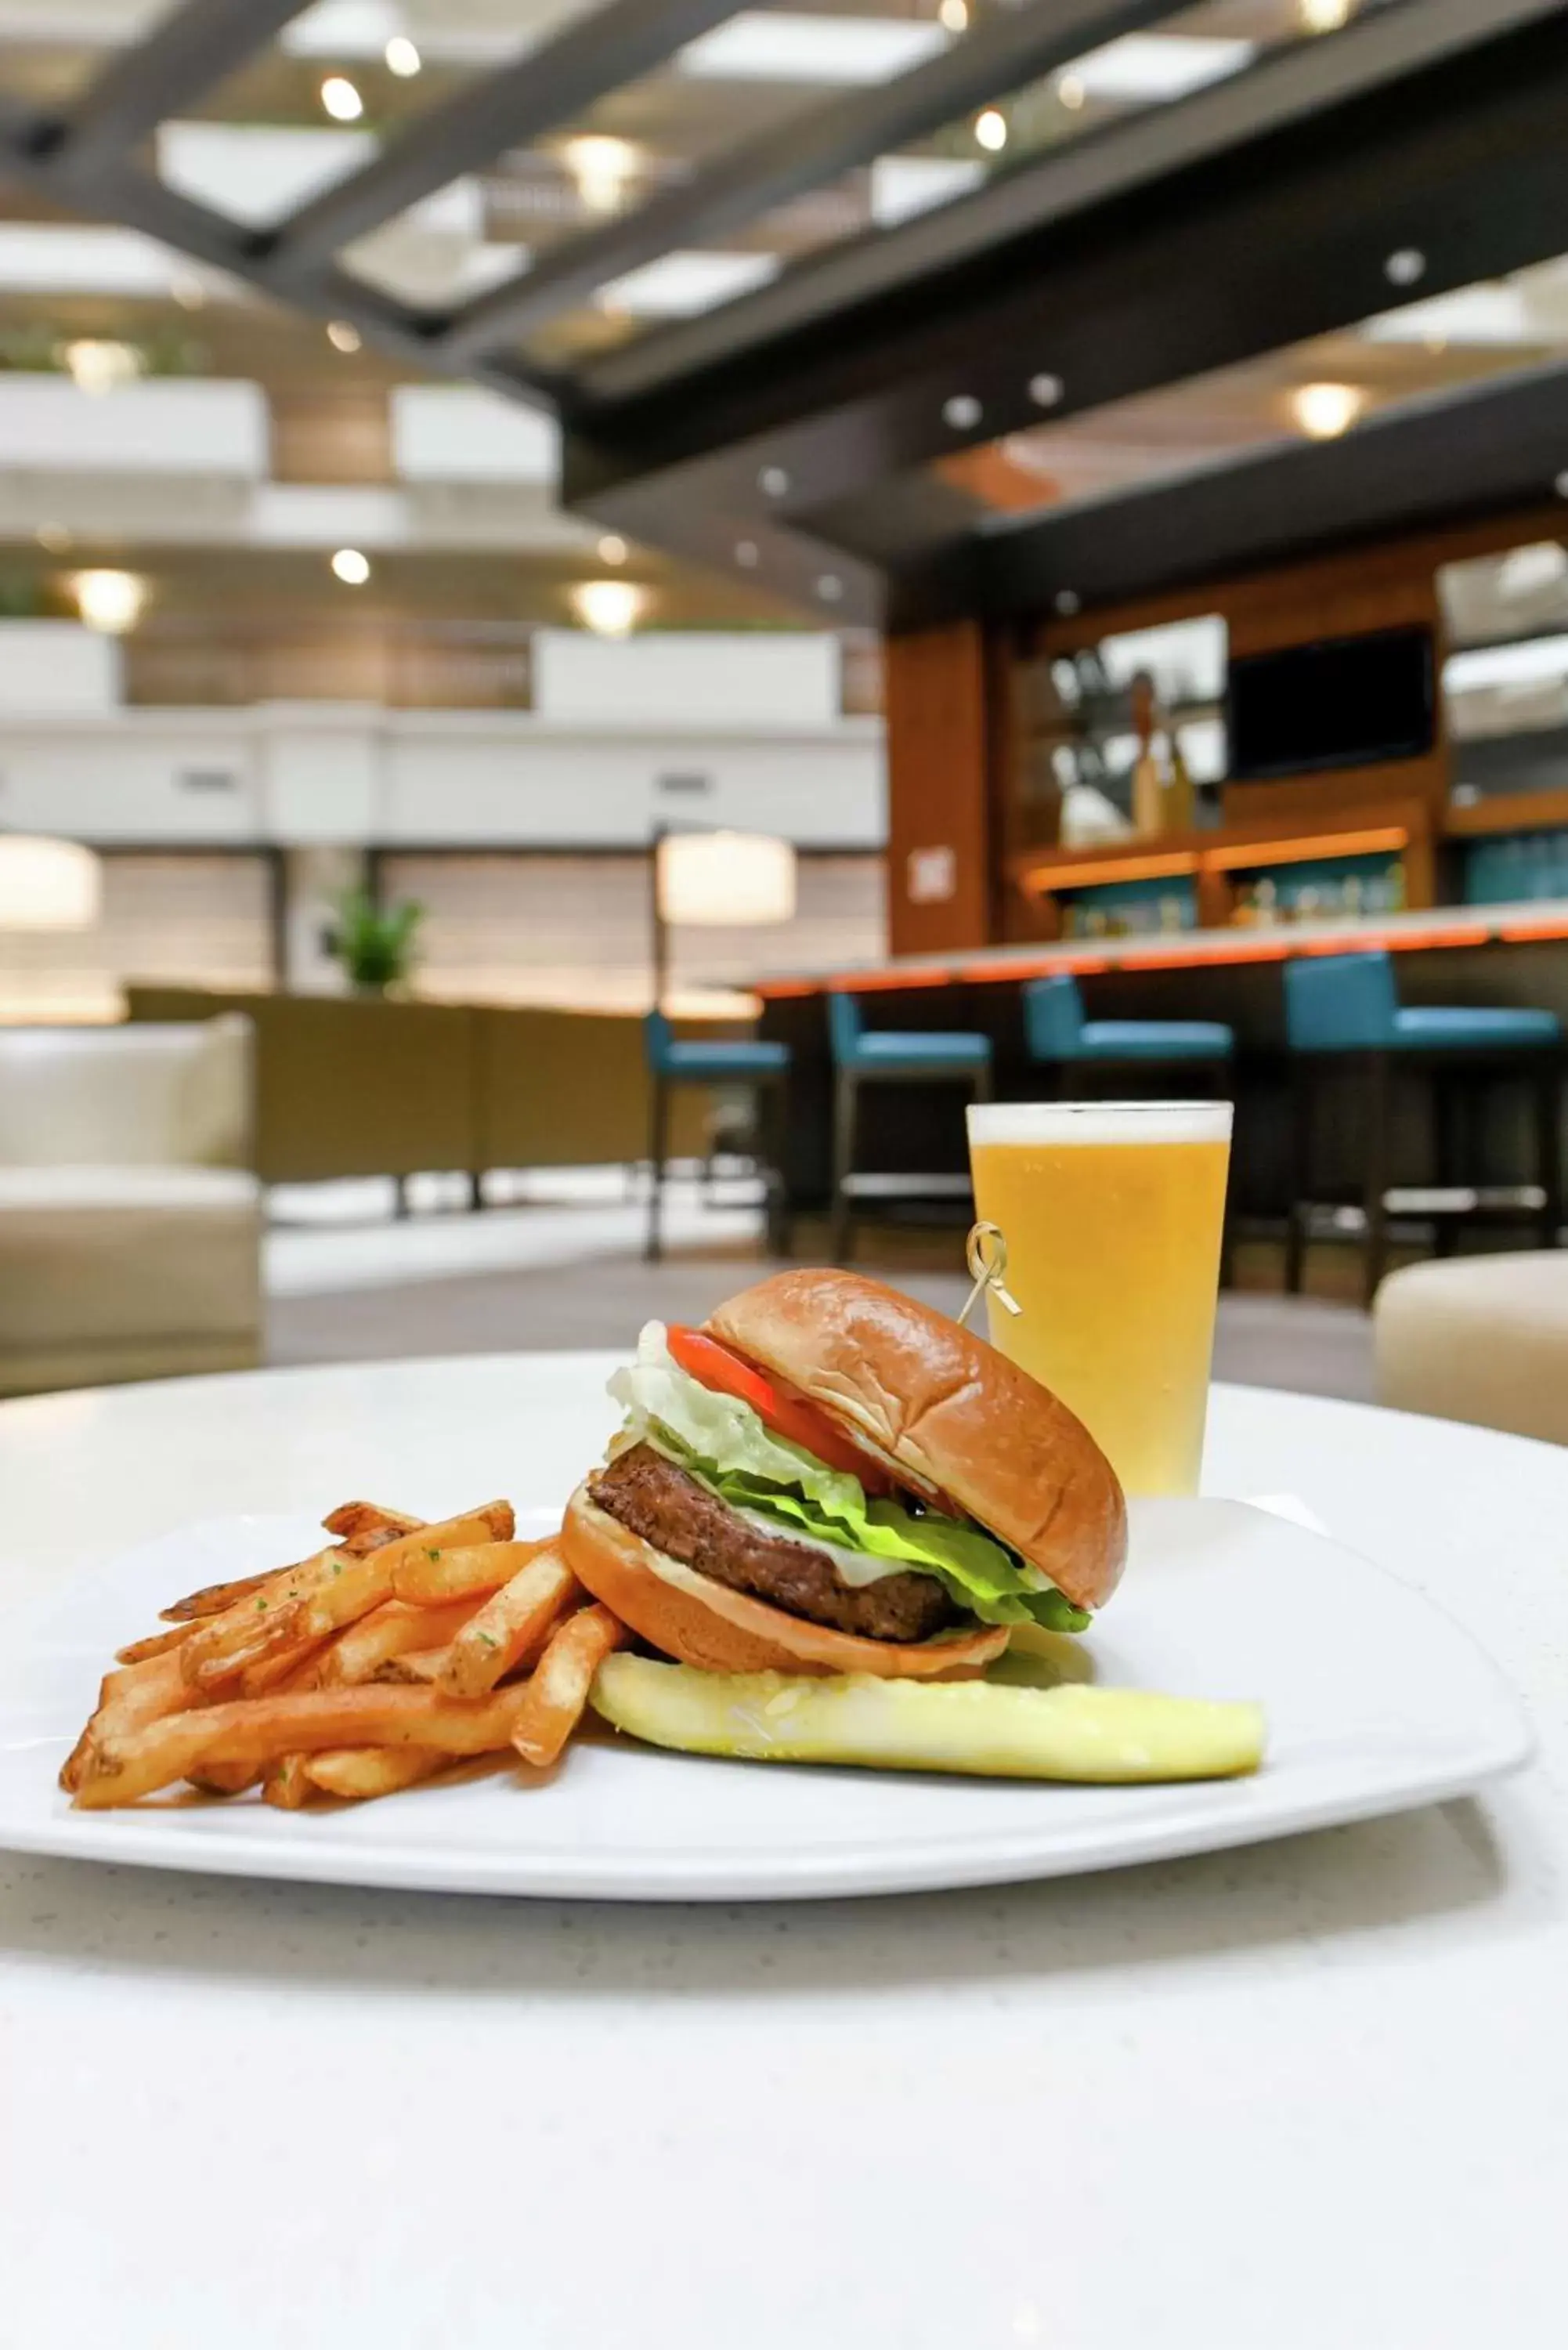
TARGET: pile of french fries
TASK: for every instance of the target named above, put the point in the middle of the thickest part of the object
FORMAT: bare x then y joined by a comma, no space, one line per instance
401,1648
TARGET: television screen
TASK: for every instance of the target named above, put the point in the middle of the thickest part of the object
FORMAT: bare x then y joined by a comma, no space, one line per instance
1345,702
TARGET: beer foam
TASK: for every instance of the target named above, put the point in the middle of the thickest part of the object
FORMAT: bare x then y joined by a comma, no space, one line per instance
1099,1122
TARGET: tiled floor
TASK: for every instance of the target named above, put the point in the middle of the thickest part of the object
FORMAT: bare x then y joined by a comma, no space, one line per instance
348,1283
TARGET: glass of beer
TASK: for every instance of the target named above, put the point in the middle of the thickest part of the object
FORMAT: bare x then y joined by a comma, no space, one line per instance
1112,1214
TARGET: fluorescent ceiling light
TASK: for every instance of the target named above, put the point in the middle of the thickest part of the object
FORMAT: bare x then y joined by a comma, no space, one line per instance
758,46
679,285
1482,314
1148,66
1543,661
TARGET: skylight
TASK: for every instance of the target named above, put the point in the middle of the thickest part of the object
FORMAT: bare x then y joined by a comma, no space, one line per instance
769,45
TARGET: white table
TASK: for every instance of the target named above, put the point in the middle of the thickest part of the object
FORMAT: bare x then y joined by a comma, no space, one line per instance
1313,2096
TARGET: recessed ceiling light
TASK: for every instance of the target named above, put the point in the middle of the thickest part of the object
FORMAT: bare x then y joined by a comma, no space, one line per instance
772,44
746,553
1067,602
97,366
1046,390
352,567
341,99
612,547
110,601
962,412
1408,266
830,587
602,168
990,130
1324,16
953,15
1071,92
1147,68
402,57
772,482
611,608
343,337
1325,411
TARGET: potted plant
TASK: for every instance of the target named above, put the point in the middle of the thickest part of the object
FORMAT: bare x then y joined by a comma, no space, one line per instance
375,945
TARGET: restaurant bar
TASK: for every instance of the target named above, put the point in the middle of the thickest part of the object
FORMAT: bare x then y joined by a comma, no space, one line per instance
1112,834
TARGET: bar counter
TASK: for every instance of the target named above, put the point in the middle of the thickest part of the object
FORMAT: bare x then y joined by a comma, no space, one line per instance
1514,955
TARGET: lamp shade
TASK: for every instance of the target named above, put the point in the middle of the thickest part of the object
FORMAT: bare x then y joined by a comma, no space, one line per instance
724,879
48,885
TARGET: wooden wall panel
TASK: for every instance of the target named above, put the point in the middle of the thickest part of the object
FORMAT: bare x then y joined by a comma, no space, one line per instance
943,858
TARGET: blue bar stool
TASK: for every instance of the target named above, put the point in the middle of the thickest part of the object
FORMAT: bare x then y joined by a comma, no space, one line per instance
1345,1011
885,1056
1058,1035
742,1061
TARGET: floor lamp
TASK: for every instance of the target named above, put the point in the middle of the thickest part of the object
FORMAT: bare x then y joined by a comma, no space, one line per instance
48,885
715,880
718,880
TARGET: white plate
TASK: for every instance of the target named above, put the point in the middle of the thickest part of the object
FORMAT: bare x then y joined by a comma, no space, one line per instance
1375,1702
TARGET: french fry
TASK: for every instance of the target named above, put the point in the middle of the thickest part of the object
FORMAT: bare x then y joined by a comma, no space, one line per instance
357,1774
213,1597
423,1667
255,1627
225,1778
261,1731
320,1596
157,1644
128,1701
289,1668
553,1700
286,1784
511,1628
358,1653
432,1574
364,1525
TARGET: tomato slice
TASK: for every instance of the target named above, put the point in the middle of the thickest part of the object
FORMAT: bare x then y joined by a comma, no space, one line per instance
713,1365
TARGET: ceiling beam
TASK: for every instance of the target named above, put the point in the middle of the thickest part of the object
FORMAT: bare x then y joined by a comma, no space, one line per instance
1292,85
129,198
187,54
807,149
1491,447
1250,250
599,52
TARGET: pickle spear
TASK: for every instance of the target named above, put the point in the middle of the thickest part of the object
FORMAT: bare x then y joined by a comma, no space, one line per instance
1071,1732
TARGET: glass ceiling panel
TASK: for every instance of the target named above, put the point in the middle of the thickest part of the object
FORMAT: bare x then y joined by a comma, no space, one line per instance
670,128
339,81
751,72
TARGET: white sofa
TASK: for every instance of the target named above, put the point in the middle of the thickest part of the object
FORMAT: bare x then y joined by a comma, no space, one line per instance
1483,1338
131,1225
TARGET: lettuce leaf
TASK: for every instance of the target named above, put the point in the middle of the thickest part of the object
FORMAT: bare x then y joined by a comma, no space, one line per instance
720,1440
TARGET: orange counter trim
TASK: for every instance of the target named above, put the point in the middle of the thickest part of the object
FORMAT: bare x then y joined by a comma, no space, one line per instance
1274,945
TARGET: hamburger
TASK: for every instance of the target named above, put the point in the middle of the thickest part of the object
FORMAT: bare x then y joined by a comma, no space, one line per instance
829,1477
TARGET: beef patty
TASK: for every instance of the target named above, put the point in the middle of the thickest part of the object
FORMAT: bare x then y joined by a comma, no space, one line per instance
671,1510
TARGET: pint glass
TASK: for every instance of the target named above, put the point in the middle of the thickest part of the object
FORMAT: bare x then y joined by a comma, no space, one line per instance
1112,1214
